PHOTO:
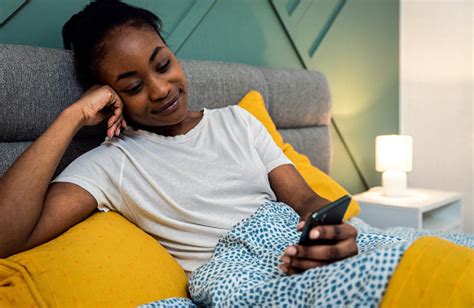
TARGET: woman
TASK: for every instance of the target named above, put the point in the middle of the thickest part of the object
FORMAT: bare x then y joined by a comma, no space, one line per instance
185,177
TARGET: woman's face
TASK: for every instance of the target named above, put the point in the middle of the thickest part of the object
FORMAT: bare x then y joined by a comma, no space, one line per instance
146,75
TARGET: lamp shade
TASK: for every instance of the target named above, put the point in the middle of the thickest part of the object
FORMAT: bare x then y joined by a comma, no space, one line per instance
393,153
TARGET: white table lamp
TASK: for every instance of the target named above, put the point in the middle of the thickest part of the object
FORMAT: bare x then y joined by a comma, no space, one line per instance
394,157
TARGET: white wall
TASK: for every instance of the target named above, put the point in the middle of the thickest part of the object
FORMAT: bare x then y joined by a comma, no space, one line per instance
436,95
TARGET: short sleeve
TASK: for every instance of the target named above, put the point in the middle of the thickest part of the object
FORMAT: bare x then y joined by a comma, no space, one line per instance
271,155
99,172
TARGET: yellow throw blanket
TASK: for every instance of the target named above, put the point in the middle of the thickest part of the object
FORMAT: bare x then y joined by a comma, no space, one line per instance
433,273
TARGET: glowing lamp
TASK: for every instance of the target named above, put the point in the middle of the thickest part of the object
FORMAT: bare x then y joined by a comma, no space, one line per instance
394,157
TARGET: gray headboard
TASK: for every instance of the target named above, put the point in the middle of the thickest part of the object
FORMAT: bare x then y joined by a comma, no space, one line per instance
36,84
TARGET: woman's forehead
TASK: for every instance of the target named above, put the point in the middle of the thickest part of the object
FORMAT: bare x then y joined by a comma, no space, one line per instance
127,47
129,41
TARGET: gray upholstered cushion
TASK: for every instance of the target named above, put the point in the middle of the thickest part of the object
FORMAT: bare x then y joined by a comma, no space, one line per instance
36,84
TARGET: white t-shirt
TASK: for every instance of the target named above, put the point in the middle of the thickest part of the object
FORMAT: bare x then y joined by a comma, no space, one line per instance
187,190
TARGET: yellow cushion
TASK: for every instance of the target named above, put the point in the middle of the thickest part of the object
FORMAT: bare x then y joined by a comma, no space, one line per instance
319,181
432,273
104,261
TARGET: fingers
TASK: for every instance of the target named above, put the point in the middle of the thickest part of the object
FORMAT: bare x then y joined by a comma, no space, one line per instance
92,88
300,226
331,232
325,253
98,103
113,119
298,258
115,101
115,127
334,232
306,257
287,269
116,120
114,124
299,264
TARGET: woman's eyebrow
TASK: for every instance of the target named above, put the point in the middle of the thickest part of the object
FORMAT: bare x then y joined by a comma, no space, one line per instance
125,75
153,55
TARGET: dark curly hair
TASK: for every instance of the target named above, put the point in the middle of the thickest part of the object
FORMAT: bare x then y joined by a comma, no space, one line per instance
85,32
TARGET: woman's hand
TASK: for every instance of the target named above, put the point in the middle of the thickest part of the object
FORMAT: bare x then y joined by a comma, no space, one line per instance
298,258
98,103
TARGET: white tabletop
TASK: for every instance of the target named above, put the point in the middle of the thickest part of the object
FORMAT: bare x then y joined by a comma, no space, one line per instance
418,198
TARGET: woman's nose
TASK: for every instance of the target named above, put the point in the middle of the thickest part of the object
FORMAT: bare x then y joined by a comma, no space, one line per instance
159,88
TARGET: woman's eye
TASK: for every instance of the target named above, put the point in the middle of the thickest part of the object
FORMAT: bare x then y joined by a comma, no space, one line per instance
134,90
163,68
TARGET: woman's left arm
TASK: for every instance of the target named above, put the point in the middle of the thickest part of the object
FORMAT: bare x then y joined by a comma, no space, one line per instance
291,188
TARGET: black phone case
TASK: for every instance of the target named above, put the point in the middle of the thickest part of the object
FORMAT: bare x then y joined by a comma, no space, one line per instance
330,214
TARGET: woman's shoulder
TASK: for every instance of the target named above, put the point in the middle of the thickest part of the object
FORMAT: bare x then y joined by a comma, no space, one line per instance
103,159
232,115
106,151
231,111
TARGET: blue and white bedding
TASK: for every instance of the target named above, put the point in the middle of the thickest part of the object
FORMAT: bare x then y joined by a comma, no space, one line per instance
244,269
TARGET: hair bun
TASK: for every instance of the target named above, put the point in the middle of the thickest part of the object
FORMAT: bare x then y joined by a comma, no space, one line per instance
105,4
86,31
69,31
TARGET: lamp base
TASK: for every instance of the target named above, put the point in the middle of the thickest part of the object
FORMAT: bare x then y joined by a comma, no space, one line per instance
394,183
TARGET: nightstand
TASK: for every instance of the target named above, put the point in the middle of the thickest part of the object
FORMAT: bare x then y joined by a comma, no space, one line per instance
420,208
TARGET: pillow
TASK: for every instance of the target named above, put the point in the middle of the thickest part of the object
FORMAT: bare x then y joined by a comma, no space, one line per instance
319,181
104,261
433,272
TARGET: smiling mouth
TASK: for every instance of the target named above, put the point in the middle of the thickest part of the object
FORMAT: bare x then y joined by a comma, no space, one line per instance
169,106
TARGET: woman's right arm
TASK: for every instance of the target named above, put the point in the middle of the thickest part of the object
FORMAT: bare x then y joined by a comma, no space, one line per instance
33,211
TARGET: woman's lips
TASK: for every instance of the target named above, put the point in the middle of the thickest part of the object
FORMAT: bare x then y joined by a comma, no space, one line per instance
171,106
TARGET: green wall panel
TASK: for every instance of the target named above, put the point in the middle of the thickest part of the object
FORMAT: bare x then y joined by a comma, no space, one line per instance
307,22
359,55
342,166
39,22
353,42
245,31
9,8
180,18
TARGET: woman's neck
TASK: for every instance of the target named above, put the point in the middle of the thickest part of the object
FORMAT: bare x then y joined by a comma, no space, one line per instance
191,120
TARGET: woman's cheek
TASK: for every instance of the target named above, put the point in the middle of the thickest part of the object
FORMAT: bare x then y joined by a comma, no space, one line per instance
136,103
131,109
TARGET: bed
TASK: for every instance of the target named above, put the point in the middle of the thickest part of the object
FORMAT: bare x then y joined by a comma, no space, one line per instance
38,83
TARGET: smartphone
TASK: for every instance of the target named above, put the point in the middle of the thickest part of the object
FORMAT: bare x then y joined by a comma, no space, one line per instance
330,214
